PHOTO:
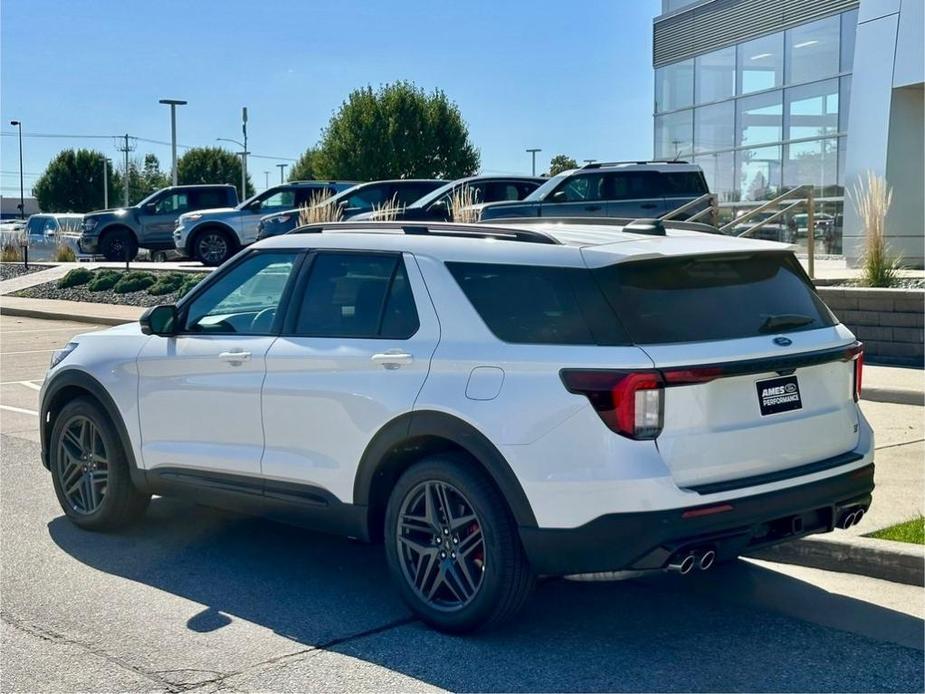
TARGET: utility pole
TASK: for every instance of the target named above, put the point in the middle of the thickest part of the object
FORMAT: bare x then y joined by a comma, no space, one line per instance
105,183
22,196
245,153
124,147
173,103
533,152
282,167
266,179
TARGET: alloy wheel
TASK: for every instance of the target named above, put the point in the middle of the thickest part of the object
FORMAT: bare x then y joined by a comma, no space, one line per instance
83,465
441,545
213,248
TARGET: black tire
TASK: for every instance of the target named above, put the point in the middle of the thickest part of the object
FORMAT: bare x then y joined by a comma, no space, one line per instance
118,244
213,246
116,502
504,579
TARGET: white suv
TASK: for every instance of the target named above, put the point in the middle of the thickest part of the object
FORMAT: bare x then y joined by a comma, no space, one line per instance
495,402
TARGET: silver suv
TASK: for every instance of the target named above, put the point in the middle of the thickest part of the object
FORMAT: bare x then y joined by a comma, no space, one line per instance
631,190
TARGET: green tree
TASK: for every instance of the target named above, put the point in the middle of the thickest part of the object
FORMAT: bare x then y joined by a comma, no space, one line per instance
73,182
212,165
393,132
306,167
560,163
144,177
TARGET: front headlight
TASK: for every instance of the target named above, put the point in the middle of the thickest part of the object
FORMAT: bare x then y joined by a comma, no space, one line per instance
58,356
190,217
282,219
90,224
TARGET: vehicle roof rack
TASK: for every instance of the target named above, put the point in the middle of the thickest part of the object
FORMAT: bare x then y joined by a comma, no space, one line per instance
483,231
599,164
639,224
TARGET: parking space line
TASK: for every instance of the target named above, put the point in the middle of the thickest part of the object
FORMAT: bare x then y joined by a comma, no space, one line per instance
19,409
31,351
29,384
76,328
10,383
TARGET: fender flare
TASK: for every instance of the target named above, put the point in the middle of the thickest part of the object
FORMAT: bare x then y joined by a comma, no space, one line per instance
206,224
418,425
81,379
117,225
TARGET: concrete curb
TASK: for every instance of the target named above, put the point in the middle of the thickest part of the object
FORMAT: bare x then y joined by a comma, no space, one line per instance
899,562
896,396
58,315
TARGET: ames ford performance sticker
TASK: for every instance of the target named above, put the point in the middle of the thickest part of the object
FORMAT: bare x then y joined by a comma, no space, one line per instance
779,395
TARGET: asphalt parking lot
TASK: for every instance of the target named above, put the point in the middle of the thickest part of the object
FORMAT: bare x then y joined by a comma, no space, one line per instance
194,599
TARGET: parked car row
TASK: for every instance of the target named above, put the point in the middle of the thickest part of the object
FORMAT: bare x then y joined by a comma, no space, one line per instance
43,233
207,223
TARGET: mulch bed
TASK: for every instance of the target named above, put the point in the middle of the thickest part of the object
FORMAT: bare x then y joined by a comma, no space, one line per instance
10,270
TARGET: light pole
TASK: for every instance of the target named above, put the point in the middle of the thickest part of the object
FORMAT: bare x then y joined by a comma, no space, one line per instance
533,152
589,161
22,197
244,146
173,103
282,168
266,179
243,154
105,183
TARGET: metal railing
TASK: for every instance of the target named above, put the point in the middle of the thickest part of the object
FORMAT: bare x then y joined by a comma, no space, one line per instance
711,209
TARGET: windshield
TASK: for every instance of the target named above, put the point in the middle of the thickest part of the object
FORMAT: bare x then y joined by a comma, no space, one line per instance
148,199
547,187
438,193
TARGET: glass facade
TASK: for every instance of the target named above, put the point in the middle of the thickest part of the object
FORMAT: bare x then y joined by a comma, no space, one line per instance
765,115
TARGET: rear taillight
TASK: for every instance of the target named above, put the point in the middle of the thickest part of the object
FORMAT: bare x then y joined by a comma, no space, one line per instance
630,403
858,372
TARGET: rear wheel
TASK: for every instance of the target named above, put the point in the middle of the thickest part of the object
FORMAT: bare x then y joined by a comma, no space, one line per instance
213,247
118,245
453,548
90,471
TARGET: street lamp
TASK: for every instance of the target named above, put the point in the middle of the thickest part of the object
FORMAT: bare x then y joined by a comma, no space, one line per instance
243,154
173,103
281,167
266,179
533,152
22,198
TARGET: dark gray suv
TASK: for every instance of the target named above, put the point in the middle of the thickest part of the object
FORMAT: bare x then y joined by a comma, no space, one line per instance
614,189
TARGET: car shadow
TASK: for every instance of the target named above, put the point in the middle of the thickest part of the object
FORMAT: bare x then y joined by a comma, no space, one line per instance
737,627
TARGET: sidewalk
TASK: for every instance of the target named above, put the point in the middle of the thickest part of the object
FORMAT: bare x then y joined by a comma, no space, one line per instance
58,270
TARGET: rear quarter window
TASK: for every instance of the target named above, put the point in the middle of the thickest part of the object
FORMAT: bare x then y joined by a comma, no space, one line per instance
526,304
720,297
689,183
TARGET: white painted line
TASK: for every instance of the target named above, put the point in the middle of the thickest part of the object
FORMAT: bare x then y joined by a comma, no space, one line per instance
29,384
19,409
32,351
10,383
77,327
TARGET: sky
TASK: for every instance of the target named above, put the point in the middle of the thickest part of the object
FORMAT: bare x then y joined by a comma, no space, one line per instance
572,79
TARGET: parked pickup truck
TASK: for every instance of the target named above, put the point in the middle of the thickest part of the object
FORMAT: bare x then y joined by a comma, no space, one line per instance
118,234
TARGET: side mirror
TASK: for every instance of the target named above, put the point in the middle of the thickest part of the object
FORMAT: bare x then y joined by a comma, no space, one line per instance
159,320
439,207
559,196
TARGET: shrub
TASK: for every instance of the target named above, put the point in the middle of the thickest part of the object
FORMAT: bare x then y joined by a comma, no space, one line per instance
134,282
872,199
387,210
188,283
167,284
64,253
77,276
11,253
463,203
103,280
318,209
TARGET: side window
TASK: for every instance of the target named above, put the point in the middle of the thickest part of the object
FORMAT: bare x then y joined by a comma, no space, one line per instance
405,195
207,199
175,203
50,227
580,188
366,197
357,295
502,192
684,183
280,200
244,301
631,185
308,196
525,189
35,225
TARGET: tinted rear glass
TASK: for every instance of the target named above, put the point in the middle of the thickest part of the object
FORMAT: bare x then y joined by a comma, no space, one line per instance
539,305
712,298
684,183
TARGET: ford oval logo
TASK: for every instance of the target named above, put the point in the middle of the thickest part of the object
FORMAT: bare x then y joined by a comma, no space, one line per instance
783,341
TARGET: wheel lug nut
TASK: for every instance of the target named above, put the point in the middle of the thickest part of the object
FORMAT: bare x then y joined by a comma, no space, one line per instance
446,532
453,555
455,540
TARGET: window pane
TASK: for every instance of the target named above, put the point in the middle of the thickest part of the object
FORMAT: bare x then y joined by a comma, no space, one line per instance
849,27
582,188
844,103
674,86
400,318
681,183
367,197
284,199
813,163
714,127
674,135
842,157
245,300
631,186
538,305
760,118
719,170
761,64
716,75
812,50
345,295
759,173
812,110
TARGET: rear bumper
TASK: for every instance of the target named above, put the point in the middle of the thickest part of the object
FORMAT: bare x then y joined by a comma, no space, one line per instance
646,540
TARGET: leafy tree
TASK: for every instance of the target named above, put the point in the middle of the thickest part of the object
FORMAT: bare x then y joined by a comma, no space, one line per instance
560,163
307,166
143,179
396,131
73,182
212,165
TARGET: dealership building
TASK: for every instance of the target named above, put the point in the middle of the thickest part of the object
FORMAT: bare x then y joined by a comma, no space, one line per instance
767,95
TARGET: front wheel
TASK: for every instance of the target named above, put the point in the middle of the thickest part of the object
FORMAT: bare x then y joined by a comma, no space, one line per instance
213,247
453,547
119,245
90,471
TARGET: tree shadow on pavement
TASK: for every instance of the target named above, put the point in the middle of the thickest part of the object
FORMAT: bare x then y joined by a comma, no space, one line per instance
716,631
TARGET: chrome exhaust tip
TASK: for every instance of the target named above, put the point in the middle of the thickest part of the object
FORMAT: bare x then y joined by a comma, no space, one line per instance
707,559
858,515
684,566
847,521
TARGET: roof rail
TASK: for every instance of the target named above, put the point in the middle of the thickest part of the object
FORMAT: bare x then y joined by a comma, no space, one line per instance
599,164
501,233
610,221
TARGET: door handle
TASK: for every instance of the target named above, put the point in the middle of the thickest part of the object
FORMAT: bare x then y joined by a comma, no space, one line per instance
592,208
235,358
392,360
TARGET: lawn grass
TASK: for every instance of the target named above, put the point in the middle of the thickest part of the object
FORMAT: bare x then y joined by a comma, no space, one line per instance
911,531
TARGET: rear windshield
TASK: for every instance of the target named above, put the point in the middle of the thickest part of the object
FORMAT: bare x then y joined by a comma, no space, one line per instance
694,299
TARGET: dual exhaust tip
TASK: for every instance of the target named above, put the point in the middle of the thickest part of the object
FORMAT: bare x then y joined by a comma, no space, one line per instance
851,518
696,559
